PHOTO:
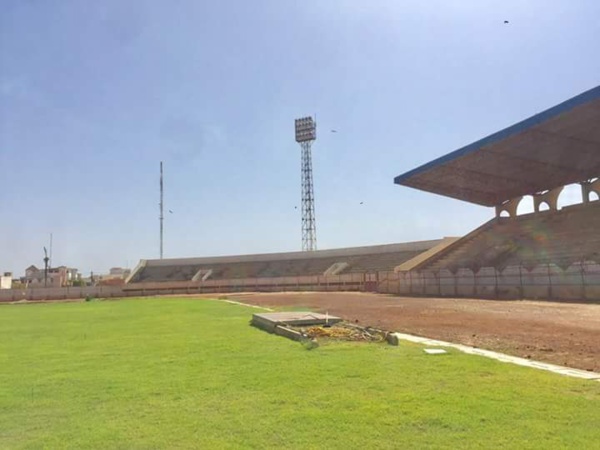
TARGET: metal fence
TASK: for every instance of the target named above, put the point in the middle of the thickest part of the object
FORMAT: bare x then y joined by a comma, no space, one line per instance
579,281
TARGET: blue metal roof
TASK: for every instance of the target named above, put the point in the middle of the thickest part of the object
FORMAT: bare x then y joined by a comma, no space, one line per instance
552,137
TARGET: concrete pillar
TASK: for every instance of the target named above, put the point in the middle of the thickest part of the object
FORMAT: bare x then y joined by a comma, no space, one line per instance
587,187
549,197
510,206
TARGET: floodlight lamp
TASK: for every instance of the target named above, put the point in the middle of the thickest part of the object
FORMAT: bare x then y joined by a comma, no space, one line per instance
305,129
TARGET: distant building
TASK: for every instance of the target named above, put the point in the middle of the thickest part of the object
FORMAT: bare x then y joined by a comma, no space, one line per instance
116,276
55,277
6,280
111,281
119,271
30,272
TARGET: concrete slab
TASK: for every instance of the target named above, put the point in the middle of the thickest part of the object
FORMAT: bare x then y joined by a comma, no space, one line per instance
296,318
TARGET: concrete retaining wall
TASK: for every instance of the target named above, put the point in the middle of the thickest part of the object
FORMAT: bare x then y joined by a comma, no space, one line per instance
346,282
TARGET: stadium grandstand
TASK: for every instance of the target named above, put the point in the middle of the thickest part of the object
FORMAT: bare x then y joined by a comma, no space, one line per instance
370,259
537,157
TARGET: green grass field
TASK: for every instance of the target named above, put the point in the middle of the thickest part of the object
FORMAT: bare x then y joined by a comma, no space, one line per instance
183,373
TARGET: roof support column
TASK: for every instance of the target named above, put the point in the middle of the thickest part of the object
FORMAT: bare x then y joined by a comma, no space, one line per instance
587,187
549,197
510,206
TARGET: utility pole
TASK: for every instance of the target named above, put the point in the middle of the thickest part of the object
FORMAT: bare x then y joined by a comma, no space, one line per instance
46,259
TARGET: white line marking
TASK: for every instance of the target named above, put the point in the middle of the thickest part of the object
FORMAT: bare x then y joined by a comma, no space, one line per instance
233,302
503,358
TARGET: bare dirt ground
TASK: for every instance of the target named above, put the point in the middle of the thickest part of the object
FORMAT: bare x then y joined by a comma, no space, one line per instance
567,334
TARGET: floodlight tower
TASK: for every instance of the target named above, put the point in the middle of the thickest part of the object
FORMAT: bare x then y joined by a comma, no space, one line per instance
306,134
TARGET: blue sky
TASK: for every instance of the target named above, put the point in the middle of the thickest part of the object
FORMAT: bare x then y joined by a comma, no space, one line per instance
94,94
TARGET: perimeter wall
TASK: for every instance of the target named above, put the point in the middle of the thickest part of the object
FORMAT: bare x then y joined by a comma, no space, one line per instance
579,282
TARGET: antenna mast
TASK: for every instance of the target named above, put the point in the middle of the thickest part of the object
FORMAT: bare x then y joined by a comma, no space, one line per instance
161,217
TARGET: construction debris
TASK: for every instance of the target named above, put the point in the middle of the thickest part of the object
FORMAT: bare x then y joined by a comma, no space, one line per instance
343,332
435,351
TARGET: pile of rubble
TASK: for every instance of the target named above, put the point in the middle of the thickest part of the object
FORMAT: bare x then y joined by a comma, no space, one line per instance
344,332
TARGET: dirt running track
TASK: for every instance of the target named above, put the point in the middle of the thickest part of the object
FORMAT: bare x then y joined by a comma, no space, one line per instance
567,334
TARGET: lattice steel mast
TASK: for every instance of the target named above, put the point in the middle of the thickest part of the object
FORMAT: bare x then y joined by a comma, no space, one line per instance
161,216
306,134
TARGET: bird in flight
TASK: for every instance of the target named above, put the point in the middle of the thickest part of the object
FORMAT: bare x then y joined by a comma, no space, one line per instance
171,211
506,21
361,203
334,131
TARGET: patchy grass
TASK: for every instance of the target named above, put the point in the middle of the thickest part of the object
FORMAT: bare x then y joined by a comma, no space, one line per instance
183,373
